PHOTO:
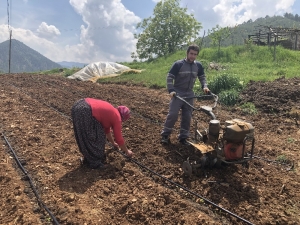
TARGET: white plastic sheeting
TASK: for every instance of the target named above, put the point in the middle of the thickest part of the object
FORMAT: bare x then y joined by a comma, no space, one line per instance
96,70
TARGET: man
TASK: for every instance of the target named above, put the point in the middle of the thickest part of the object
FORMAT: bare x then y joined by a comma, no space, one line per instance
180,81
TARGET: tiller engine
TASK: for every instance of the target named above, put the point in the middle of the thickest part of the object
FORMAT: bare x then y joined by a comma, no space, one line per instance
229,143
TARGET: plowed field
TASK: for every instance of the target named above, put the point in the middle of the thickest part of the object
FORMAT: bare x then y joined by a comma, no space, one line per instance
35,121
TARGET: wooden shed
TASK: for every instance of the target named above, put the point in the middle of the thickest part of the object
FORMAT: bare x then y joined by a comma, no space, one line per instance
287,37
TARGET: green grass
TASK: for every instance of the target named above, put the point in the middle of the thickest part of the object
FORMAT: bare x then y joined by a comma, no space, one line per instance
248,62
153,73
282,159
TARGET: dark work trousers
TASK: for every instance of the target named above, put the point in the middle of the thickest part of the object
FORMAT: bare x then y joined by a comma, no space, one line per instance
186,116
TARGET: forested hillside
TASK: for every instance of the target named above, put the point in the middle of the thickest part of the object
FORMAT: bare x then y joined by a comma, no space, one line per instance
240,32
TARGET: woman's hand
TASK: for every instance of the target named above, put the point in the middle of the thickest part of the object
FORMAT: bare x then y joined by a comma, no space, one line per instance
115,145
129,153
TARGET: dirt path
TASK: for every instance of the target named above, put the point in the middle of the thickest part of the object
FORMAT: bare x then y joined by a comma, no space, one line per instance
35,118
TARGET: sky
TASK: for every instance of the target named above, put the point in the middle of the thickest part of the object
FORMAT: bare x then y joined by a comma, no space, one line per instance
89,31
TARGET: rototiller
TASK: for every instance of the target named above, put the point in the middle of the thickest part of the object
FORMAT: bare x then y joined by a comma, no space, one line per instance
231,142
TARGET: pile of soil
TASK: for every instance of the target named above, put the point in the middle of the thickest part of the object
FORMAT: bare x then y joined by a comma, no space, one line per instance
151,188
280,96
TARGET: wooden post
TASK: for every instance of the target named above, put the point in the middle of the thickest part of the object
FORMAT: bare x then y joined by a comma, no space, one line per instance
275,39
296,44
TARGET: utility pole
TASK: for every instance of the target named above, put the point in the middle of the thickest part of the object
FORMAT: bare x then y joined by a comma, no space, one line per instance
9,59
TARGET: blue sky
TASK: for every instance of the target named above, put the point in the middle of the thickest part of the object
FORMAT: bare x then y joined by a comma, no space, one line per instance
102,30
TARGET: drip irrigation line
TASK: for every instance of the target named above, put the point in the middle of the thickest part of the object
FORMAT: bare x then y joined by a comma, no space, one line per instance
54,85
153,121
186,189
41,203
267,160
132,112
43,103
273,161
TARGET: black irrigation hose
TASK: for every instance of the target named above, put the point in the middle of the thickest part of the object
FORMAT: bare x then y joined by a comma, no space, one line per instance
274,161
41,203
186,189
153,172
43,103
133,113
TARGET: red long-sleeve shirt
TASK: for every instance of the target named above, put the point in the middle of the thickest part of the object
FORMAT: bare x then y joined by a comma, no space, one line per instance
108,116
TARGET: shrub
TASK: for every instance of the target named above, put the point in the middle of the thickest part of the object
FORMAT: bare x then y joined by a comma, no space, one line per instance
229,97
249,108
205,63
225,82
226,86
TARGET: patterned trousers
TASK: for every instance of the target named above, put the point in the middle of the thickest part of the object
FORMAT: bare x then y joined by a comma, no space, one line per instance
89,134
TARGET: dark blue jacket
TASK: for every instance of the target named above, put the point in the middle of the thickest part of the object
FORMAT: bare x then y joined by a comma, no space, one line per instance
182,77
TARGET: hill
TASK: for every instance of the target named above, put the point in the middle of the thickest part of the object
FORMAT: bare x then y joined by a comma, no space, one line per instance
23,58
72,64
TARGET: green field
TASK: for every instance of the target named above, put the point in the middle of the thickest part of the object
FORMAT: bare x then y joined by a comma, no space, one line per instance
248,62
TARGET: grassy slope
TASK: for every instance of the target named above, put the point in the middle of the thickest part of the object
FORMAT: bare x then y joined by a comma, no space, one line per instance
249,62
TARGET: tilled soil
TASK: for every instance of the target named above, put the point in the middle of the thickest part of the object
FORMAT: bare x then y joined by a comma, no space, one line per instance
47,184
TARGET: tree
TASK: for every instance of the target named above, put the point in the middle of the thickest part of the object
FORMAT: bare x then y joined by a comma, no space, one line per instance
169,28
218,34
289,16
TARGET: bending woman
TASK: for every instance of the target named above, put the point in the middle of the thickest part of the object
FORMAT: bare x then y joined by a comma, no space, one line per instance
93,121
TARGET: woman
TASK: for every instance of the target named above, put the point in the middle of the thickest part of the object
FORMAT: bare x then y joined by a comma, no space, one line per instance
93,121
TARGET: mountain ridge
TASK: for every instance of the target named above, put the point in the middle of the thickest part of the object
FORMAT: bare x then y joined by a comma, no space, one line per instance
23,59
67,64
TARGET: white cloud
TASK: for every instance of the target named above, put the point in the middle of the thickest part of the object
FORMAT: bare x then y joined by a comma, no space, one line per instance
47,48
48,32
108,34
4,33
236,12
43,46
232,12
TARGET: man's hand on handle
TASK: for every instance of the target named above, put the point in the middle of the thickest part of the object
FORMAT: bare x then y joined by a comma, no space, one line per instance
206,90
172,94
